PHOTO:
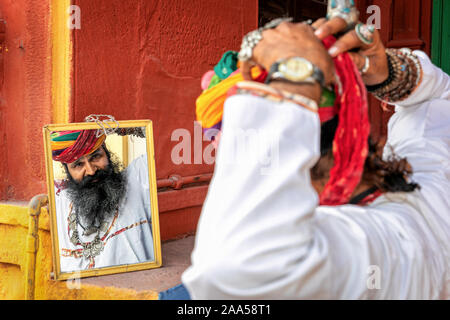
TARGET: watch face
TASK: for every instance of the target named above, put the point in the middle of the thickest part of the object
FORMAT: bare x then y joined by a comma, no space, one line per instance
296,69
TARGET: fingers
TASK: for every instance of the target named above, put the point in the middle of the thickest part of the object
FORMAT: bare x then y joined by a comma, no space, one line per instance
345,43
302,30
284,27
330,27
318,23
295,29
246,67
358,59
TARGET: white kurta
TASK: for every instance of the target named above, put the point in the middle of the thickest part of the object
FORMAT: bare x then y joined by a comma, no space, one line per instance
128,246
262,235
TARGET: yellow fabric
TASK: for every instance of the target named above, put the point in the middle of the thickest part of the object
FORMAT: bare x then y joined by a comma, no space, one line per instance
209,105
58,145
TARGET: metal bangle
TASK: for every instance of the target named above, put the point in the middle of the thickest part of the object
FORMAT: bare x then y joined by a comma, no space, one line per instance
249,41
366,65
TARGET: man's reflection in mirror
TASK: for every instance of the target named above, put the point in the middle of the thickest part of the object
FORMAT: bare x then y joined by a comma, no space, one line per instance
103,211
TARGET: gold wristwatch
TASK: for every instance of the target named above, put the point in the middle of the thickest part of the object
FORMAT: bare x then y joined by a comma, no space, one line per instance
296,70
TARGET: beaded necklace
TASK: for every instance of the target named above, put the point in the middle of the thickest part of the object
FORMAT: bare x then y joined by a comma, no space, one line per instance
95,247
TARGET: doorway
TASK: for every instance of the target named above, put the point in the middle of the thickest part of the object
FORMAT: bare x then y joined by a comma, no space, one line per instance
299,10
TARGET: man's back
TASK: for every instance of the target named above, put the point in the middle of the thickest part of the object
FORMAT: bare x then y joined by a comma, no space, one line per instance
267,239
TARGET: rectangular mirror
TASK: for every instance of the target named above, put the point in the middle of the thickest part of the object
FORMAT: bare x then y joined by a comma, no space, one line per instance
102,198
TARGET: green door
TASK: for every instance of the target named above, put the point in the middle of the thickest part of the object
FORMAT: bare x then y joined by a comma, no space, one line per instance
440,45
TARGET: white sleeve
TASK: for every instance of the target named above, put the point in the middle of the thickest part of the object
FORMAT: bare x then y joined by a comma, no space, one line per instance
419,130
435,83
137,176
262,236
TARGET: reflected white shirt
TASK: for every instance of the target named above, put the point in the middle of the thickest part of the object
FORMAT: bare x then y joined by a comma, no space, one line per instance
130,238
263,236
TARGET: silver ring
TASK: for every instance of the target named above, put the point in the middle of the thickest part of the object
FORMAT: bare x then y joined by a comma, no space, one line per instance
366,65
344,9
365,33
252,38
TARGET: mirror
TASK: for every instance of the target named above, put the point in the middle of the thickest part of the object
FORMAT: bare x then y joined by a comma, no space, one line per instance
102,198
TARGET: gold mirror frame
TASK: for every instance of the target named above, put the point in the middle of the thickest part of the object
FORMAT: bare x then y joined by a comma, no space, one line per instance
57,274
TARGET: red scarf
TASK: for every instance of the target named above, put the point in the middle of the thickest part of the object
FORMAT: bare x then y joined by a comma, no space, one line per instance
350,145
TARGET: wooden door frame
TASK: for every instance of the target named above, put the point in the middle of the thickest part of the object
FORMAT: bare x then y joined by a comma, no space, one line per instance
441,34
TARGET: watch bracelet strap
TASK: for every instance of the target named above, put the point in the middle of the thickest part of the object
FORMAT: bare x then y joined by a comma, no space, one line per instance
272,70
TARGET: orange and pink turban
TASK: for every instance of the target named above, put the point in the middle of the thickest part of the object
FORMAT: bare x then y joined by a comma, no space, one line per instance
68,146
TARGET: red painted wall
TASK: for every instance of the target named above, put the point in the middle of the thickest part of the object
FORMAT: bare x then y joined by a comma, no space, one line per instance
144,60
133,59
25,98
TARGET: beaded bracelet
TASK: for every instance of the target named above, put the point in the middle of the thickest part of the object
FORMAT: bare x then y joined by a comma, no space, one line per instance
398,74
388,81
405,74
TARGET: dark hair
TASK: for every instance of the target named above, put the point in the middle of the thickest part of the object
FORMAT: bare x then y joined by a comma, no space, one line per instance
389,175
327,132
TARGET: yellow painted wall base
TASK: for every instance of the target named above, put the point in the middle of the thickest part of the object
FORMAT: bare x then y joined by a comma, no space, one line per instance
13,236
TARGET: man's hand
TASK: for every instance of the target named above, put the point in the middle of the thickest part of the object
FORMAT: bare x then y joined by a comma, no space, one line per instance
378,70
290,40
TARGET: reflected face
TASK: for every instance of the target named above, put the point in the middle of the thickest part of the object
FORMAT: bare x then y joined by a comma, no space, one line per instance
95,186
88,165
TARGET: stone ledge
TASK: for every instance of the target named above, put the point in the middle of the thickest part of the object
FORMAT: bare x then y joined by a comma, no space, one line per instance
176,256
